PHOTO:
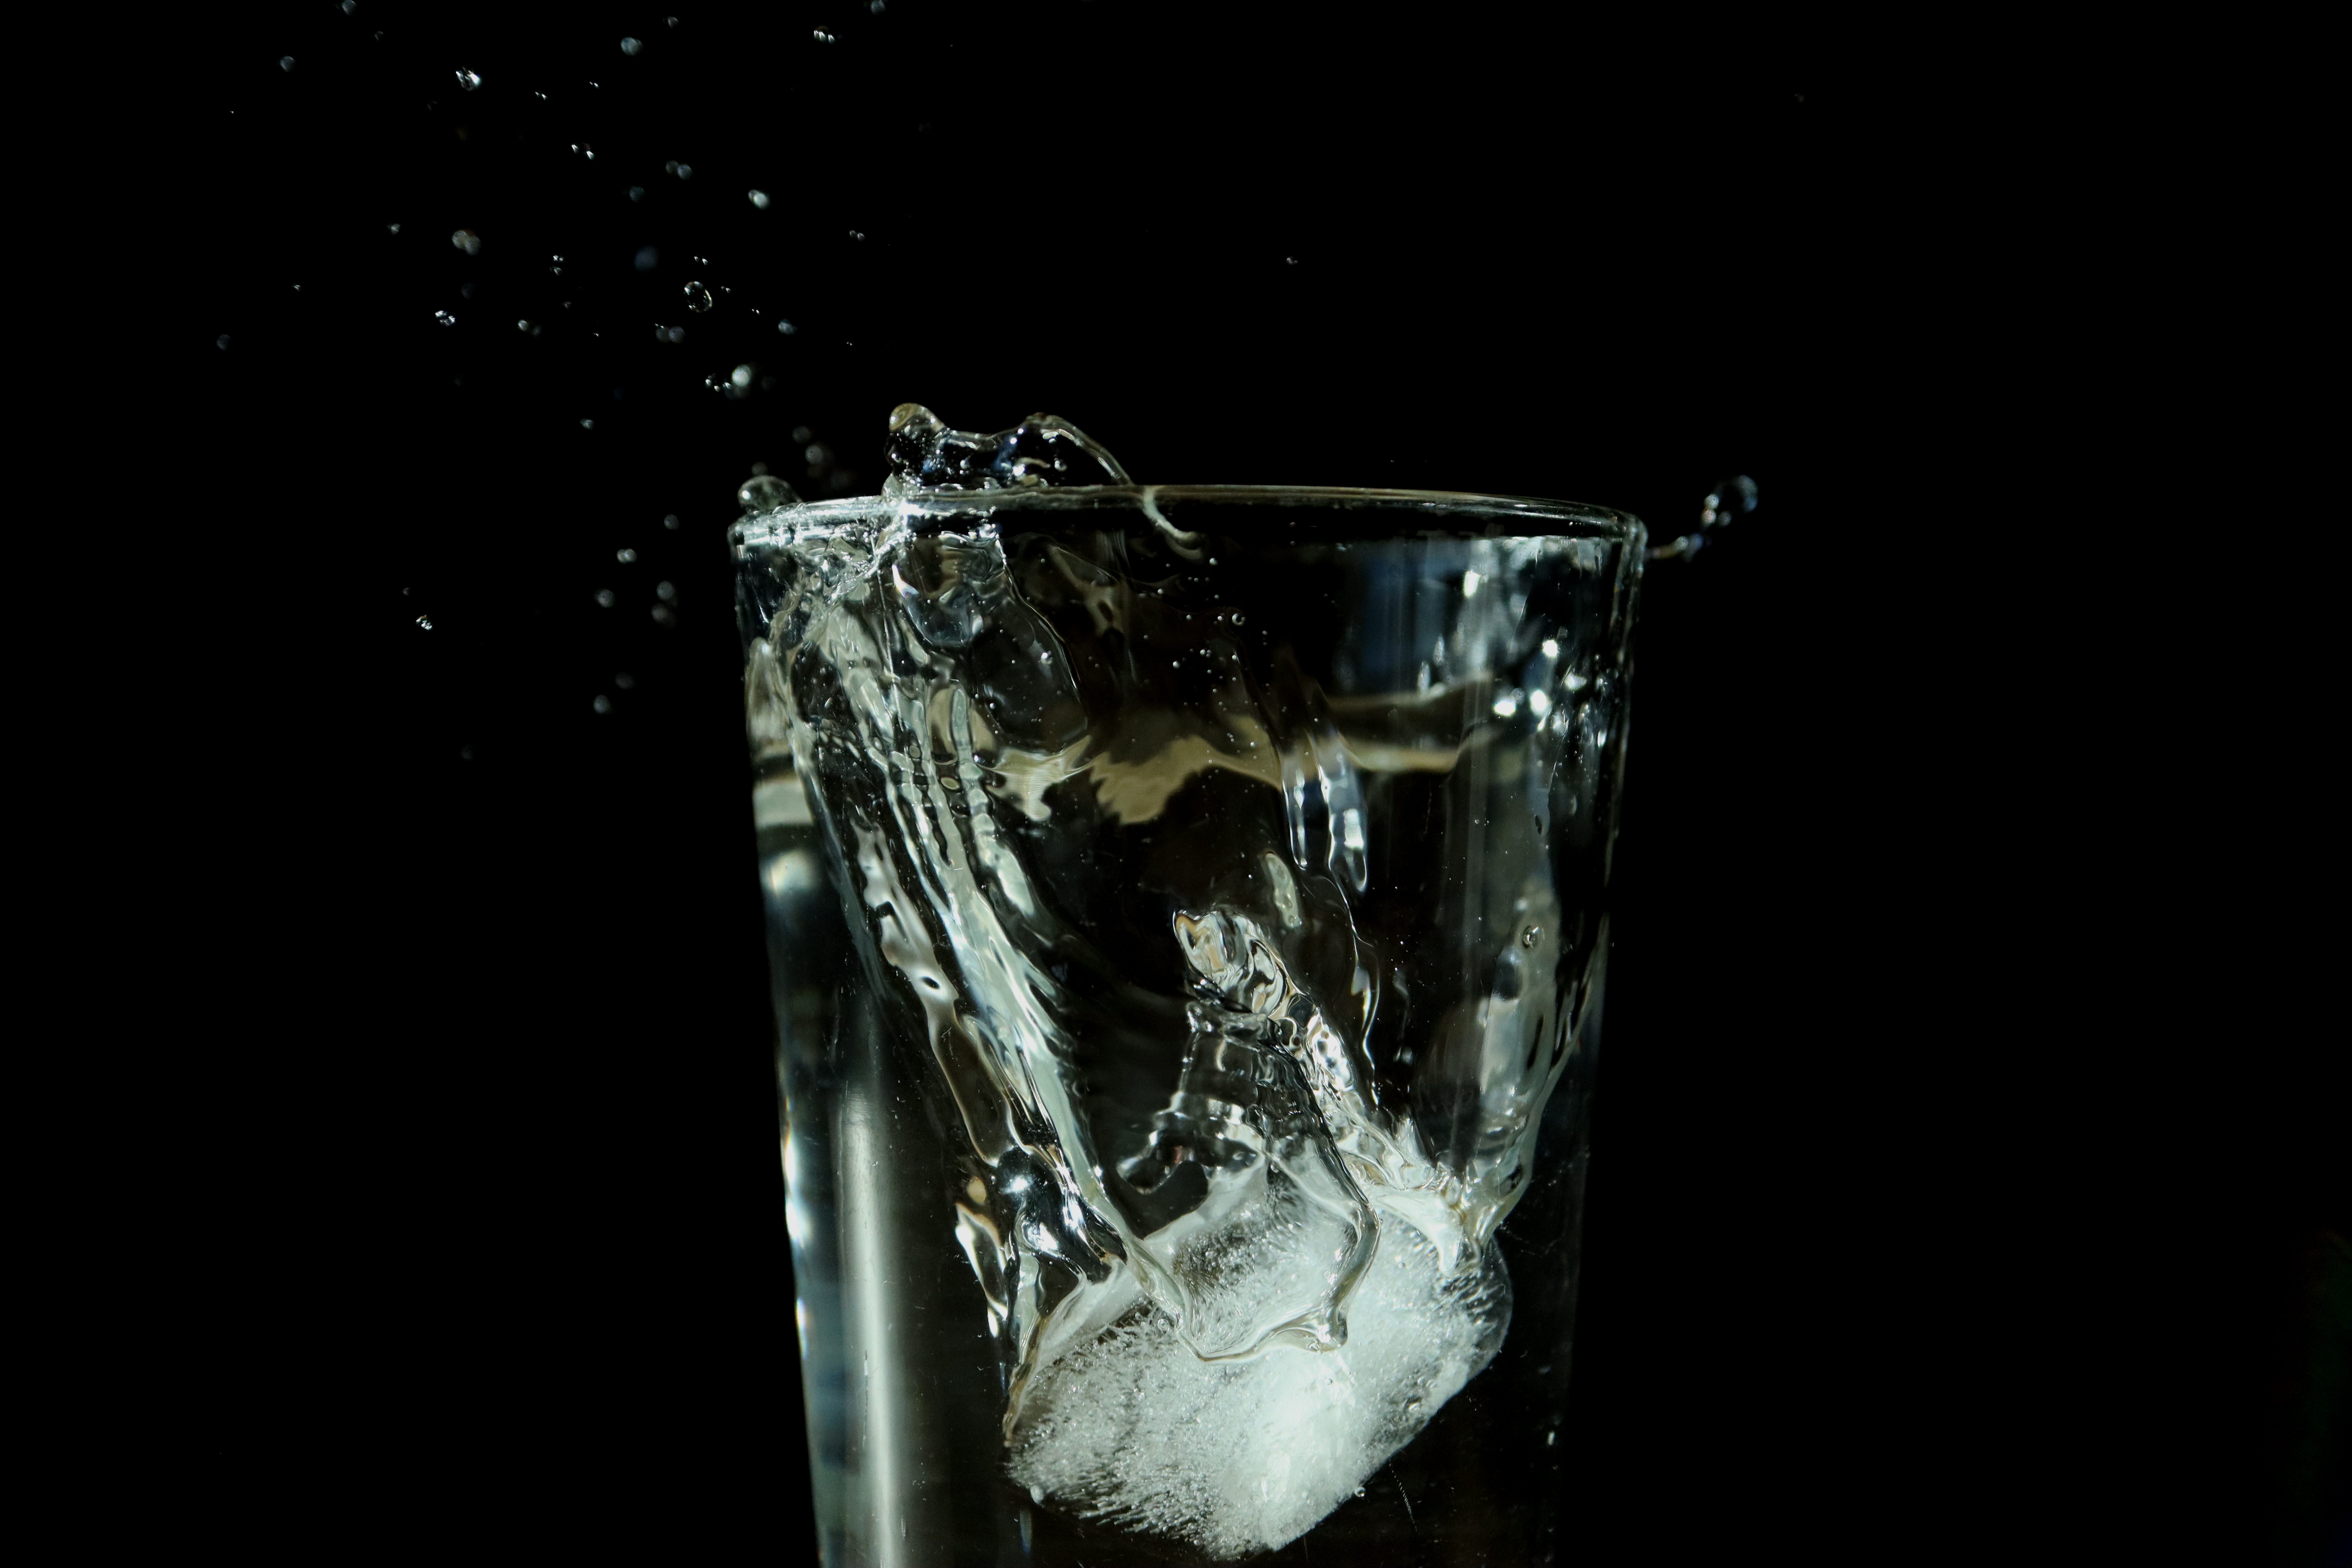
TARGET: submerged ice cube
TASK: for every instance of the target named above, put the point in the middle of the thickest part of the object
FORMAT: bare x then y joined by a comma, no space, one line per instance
1244,987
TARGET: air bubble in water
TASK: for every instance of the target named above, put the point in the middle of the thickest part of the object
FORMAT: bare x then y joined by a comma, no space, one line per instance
670,522
603,704
286,63
630,46
742,376
636,193
608,598
351,8
648,258
625,681
1533,934
424,621
467,240
530,327
822,36
445,317
760,200
626,557
697,298
666,592
470,80
786,328
224,340
764,493
664,615
683,170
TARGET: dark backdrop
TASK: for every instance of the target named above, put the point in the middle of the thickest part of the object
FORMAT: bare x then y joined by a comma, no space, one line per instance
489,1205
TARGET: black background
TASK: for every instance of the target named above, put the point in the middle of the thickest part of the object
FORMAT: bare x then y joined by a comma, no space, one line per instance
1923,1220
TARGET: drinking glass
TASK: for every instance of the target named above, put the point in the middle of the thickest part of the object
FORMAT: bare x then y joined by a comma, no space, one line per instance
1187,909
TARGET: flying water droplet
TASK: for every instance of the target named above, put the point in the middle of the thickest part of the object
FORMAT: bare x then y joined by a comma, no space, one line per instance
648,258
467,240
529,328
445,317
764,493
742,376
470,80
670,522
1734,497
424,621
760,200
636,193
351,8
697,298
286,63
786,328
630,46
666,592
822,36
608,598
603,704
626,557
224,340
625,681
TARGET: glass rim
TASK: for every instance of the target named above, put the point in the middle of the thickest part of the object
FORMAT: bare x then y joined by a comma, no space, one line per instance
1583,517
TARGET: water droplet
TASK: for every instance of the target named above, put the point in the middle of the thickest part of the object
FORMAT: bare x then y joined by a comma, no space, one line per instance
630,46
742,376
445,317
786,328
683,170
636,193
764,493
666,592
530,327
760,200
670,522
1360,1491
1533,934
697,298
875,6
671,20
1733,498
470,80
286,63
625,681
669,334
821,36
603,704
664,615
351,8
626,557
424,621
608,598
587,425
224,340
467,240
648,258
393,227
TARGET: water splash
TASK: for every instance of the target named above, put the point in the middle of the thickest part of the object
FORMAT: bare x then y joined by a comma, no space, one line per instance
924,454
1733,498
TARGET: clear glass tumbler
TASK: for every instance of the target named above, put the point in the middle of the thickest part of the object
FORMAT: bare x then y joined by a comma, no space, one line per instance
1188,920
